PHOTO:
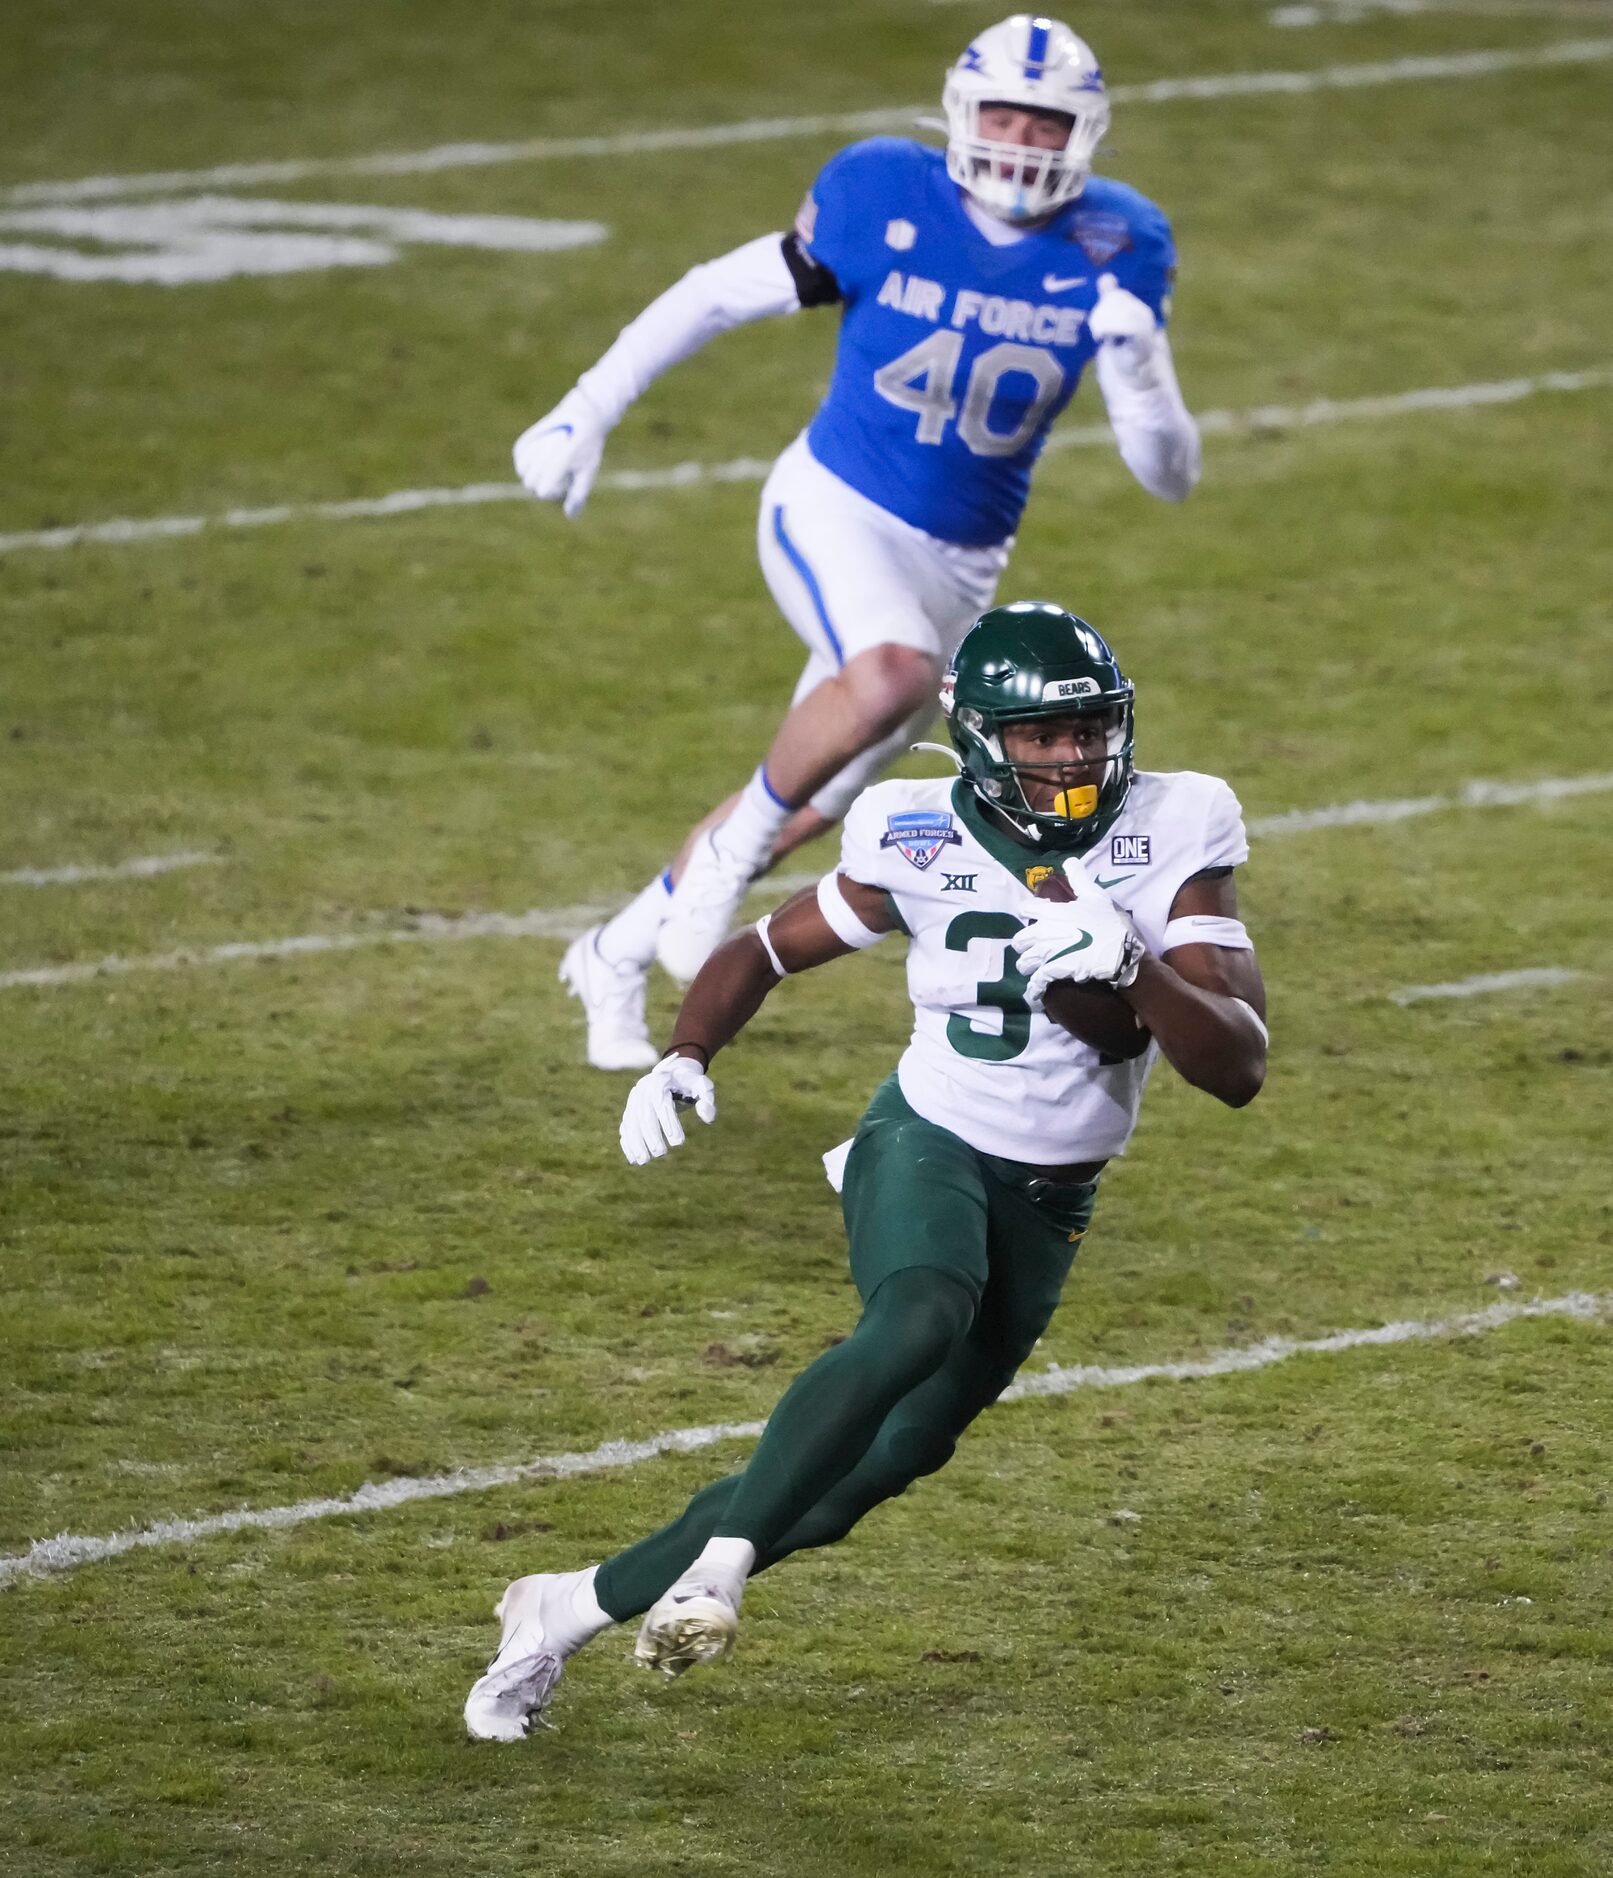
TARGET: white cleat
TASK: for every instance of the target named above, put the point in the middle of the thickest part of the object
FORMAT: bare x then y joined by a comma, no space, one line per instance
703,906
612,998
540,1632
687,1625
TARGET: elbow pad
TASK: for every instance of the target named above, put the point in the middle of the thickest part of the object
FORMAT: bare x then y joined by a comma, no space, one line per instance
814,282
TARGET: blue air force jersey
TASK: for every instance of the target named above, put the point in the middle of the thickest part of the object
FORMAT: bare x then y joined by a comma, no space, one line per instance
955,356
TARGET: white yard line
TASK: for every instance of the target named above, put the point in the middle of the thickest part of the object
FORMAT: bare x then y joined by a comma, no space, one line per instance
1473,795
141,868
566,922
1530,979
1353,12
68,1551
1480,64
1259,419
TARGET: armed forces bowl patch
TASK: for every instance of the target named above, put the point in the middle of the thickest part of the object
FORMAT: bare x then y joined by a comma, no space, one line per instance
1100,234
920,835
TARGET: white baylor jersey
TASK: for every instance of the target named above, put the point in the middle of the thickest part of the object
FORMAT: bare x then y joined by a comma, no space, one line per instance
981,1062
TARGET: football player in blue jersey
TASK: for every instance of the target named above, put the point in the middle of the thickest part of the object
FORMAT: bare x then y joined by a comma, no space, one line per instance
974,284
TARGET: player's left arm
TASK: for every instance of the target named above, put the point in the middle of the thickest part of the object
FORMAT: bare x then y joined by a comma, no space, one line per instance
1154,430
838,916
728,990
1205,1003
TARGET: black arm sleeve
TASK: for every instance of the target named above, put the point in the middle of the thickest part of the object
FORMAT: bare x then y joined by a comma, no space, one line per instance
813,281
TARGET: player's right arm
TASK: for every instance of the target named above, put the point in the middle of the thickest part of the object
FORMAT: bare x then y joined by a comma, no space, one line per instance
838,916
558,456
812,265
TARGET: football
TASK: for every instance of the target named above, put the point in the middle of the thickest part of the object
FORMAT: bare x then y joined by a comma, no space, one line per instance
1095,1015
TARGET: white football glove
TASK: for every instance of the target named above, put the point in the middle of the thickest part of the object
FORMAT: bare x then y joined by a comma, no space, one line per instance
1087,940
1125,326
650,1122
558,457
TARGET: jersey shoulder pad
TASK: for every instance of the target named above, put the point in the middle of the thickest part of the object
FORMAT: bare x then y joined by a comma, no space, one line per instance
891,823
1205,811
854,196
1119,226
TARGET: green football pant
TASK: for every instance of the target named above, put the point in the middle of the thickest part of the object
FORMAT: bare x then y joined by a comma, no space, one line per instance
960,1259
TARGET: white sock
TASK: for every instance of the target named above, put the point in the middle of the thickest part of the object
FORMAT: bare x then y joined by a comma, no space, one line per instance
726,1563
746,838
589,1612
629,937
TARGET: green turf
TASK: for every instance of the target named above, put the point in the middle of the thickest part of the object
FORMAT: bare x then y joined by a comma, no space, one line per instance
270,1229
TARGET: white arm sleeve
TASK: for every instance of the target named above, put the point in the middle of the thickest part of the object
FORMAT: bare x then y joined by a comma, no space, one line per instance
750,284
1159,442
843,921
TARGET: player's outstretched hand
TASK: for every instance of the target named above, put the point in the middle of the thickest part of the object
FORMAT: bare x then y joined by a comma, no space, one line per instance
1087,940
650,1122
557,457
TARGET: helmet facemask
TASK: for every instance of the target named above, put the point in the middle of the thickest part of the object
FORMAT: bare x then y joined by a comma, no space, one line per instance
1083,808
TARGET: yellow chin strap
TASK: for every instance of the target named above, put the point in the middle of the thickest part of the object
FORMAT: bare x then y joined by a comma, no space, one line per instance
1076,804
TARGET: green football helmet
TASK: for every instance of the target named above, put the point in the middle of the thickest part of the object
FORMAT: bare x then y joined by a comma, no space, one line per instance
1035,660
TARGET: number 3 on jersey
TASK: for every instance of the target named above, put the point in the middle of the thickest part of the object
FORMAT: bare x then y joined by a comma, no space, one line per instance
922,380
1006,992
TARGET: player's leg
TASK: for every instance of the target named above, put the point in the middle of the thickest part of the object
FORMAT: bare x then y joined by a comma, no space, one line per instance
1034,1227
916,1212
690,1575
954,586
848,578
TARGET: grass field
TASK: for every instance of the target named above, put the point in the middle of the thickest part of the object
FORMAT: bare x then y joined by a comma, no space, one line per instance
274,1226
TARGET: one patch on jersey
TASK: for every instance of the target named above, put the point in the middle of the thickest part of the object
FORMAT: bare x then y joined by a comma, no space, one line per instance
1130,851
920,835
1100,234
900,234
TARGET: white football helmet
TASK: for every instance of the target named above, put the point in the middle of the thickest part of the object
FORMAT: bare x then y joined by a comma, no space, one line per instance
1036,63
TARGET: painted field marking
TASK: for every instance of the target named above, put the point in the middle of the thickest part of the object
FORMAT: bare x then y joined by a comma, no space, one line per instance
1258,420
142,868
1353,12
1478,64
1529,979
68,1551
567,922
213,238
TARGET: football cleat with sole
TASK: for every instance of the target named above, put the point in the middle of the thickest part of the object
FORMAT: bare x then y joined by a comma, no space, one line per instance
540,1632
703,906
686,1626
612,999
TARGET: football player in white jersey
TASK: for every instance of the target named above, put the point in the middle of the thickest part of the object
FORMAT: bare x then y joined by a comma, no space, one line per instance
975,285
972,1176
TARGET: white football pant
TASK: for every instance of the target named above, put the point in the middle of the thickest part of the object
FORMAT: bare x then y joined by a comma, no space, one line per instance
848,576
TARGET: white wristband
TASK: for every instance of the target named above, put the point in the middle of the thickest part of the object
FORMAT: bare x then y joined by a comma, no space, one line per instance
1207,929
843,921
762,933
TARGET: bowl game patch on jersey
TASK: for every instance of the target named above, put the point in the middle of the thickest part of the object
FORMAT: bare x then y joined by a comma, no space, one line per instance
920,835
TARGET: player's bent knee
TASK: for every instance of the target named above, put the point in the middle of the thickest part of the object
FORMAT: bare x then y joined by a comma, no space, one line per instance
914,1452
886,685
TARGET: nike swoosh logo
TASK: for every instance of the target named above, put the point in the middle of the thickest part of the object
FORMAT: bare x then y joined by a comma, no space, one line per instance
1055,283
1116,881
